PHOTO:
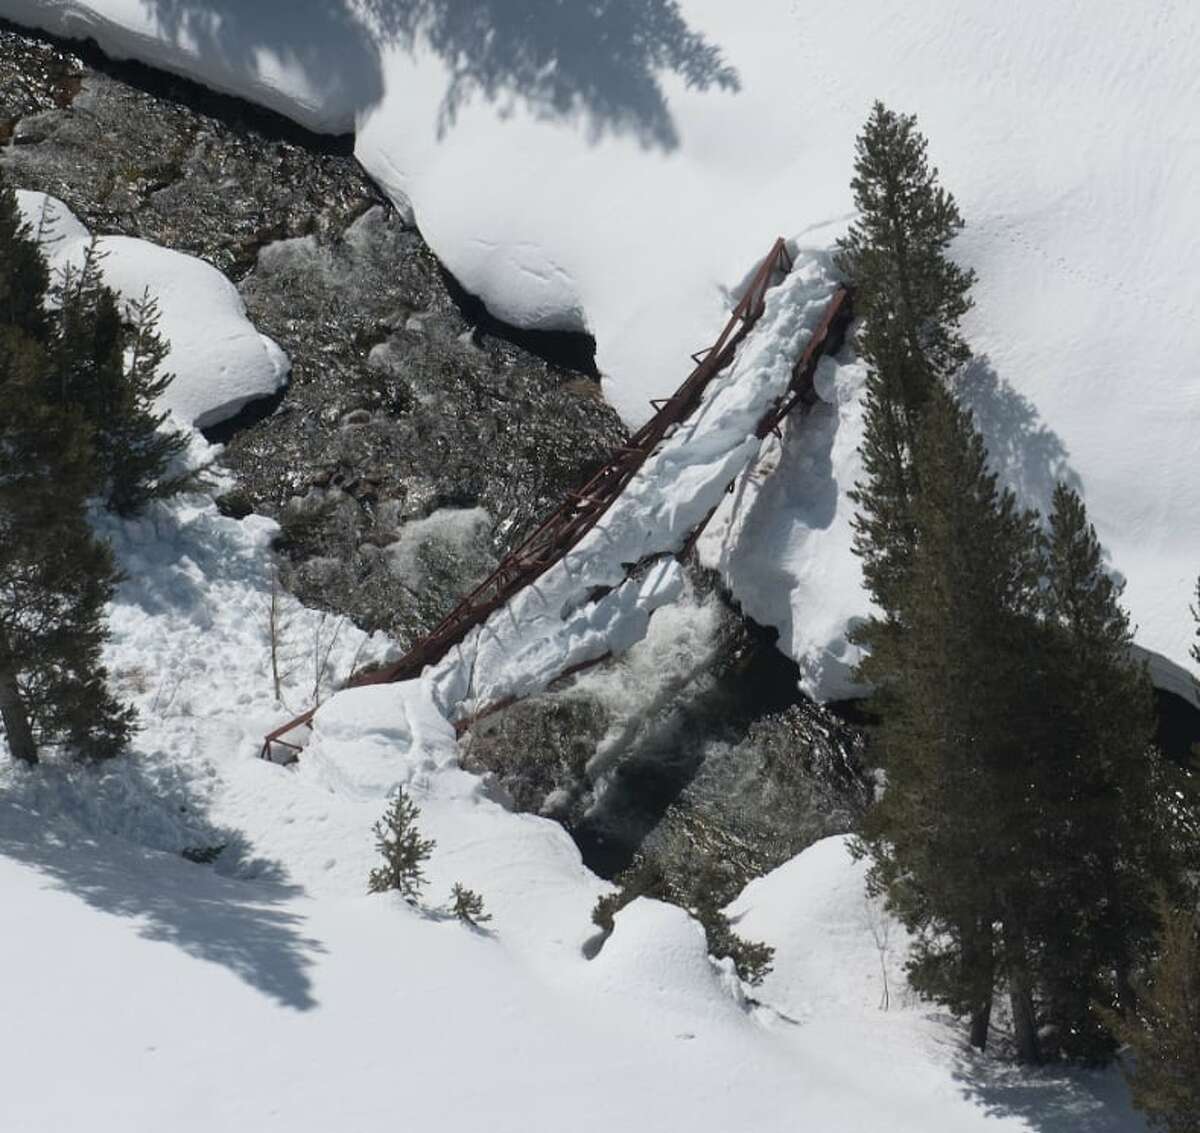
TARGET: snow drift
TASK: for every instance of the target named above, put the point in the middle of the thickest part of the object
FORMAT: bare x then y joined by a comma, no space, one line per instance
269,992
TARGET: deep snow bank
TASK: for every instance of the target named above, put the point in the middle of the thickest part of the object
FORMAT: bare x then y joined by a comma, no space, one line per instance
219,360
604,166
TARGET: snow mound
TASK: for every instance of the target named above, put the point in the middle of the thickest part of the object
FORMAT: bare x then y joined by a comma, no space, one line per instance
783,541
219,360
827,934
661,947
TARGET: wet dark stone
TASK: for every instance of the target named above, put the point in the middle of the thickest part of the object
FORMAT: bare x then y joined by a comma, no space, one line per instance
145,164
796,777
730,764
406,401
537,752
34,77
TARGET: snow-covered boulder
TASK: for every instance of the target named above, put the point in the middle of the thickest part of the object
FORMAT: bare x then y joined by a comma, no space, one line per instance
219,360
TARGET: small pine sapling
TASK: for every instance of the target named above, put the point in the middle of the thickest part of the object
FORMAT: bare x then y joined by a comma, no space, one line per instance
607,907
702,893
403,849
467,905
144,449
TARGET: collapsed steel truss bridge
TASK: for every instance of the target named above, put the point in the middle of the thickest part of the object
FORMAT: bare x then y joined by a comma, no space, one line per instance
583,508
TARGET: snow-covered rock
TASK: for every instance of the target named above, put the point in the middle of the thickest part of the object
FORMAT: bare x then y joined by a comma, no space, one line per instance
219,360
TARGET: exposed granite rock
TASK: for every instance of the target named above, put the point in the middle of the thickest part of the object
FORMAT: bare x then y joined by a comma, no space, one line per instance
401,407
413,414
537,752
797,777
160,164
34,77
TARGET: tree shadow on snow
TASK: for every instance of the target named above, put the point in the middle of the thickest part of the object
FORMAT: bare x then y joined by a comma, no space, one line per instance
321,40
1049,1099
113,836
173,555
601,63
1030,457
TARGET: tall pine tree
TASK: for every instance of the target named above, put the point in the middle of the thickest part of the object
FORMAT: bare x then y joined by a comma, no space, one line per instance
55,577
910,294
1026,817
1163,1032
910,297
949,562
1108,837
951,664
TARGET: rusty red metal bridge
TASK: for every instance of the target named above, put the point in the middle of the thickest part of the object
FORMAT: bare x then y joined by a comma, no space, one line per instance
583,508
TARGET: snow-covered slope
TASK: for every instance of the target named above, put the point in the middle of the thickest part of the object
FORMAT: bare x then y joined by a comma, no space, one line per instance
219,360
269,992
619,166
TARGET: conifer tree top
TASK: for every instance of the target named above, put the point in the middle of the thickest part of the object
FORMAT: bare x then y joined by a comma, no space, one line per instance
910,293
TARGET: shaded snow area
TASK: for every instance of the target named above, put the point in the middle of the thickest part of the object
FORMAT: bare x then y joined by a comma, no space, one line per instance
552,625
267,991
783,544
613,166
219,360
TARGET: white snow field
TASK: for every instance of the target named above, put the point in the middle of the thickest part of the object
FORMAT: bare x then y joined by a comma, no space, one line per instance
219,360
143,992
617,166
